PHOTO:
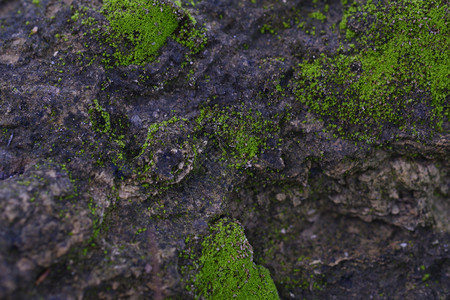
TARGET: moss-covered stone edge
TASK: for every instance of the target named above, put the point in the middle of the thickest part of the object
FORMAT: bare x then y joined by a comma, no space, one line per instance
224,267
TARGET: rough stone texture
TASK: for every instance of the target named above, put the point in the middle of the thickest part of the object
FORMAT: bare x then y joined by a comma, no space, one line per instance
82,217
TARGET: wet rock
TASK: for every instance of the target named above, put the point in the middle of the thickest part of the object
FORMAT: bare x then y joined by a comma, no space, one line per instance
108,174
40,221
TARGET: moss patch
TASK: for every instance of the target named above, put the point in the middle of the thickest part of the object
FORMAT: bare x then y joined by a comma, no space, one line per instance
227,270
241,135
114,128
318,16
142,26
133,32
402,65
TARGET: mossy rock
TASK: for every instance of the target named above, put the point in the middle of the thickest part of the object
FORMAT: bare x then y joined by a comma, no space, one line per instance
394,72
226,267
136,30
241,134
142,26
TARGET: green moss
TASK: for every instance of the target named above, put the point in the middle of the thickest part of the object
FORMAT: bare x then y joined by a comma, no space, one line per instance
105,125
113,128
227,270
75,16
425,277
403,53
101,122
154,128
241,135
141,27
348,12
192,38
267,28
318,16
134,31
140,160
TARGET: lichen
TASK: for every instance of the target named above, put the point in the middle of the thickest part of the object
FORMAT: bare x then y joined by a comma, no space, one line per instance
226,267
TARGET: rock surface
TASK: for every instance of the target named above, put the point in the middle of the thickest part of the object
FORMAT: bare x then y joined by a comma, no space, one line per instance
107,172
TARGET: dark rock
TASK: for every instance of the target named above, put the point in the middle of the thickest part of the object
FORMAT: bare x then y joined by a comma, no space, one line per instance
108,175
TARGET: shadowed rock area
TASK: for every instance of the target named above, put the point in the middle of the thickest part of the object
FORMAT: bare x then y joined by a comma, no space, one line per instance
258,114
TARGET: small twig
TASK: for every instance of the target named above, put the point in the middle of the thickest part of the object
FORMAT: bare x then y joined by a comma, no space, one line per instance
42,277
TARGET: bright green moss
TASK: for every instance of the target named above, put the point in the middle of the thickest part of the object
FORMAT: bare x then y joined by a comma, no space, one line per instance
227,270
138,28
351,10
192,38
404,52
318,16
267,28
135,30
